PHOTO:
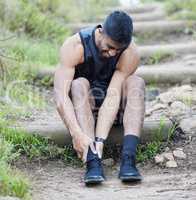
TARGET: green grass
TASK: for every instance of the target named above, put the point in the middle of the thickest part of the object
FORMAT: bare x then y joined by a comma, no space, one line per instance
67,10
178,9
22,16
16,142
181,9
159,57
35,52
12,182
34,146
149,150
47,19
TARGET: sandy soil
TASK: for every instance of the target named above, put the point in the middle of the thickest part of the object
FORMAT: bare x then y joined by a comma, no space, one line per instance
53,180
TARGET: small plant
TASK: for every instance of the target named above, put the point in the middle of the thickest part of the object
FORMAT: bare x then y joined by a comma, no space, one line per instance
151,149
12,182
148,151
159,57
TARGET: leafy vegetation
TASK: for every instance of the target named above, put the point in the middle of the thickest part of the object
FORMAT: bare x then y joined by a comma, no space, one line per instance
12,183
159,57
178,9
182,9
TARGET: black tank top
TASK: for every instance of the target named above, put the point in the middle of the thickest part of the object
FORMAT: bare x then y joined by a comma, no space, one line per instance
96,70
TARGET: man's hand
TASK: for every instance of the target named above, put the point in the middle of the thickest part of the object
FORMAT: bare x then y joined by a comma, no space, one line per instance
81,143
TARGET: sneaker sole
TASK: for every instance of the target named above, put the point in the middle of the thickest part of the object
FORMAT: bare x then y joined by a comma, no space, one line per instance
94,180
130,179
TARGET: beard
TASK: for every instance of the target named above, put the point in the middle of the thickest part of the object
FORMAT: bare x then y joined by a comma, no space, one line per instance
103,55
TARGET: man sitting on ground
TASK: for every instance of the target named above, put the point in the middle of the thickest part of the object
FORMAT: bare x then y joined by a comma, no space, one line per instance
96,72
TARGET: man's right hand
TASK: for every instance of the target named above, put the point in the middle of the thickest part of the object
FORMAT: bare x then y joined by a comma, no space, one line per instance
81,143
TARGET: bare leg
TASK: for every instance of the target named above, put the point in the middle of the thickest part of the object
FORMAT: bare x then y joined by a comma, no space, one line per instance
134,92
82,105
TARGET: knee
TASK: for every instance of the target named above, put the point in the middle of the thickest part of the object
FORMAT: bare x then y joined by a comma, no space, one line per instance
135,82
80,86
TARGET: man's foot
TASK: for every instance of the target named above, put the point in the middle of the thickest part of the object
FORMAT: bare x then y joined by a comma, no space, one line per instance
94,171
128,170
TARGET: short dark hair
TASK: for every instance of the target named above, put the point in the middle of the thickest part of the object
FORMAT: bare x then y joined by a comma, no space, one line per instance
119,27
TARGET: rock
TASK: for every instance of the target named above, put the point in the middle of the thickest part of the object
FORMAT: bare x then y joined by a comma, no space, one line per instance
108,162
188,125
152,94
191,62
185,88
177,93
178,153
171,164
178,108
166,97
159,159
168,156
148,112
159,106
189,57
156,107
167,149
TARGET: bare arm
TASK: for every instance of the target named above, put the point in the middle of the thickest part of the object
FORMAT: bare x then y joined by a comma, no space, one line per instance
126,66
71,54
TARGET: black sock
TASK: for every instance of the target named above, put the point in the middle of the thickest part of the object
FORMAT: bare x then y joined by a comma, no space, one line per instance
130,143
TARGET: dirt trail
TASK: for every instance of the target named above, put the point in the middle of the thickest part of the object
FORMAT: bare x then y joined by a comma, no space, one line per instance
52,180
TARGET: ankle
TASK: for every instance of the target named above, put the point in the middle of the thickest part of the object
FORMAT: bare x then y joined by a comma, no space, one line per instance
130,143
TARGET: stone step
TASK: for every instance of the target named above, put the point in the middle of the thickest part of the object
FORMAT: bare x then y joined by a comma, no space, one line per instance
146,28
172,49
142,8
149,73
55,130
156,15
163,74
168,74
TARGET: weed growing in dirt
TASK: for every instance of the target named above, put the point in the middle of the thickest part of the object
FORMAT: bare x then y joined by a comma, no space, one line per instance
159,57
12,182
149,150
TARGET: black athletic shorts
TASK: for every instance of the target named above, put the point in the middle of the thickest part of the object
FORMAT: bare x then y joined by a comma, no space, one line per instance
99,90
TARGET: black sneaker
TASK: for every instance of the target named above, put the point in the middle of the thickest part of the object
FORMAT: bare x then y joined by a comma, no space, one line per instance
94,171
128,171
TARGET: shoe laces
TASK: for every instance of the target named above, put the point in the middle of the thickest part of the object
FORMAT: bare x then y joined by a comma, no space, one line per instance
94,163
128,160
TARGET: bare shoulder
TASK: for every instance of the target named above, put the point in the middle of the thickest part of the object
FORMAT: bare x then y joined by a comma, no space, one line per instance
72,50
129,59
132,49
